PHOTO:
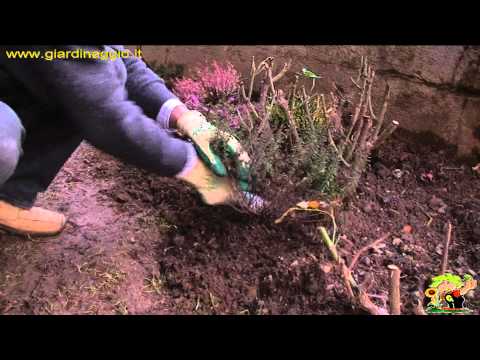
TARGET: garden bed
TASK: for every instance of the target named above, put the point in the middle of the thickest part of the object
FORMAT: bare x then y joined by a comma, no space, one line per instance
136,243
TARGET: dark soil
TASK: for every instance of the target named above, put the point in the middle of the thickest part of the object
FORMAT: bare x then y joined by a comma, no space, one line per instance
139,244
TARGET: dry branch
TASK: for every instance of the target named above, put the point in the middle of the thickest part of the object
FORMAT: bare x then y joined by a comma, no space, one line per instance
366,248
445,249
386,133
283,102
367,305
355,293
381,118
394,290
284,70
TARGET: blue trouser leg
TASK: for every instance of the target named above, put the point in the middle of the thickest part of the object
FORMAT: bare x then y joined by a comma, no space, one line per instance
11,134
62,102
46,147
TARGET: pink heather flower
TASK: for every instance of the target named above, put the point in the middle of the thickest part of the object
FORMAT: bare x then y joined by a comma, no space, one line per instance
191,92
214,90
219,81
234,121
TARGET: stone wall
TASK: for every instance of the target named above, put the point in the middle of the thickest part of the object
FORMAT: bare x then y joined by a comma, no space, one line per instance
434,88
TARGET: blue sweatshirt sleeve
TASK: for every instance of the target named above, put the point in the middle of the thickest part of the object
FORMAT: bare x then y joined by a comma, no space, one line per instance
92,95
144,86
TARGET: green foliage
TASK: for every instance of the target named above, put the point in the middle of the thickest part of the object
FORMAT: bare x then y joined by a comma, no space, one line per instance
294,137
275,155
319,159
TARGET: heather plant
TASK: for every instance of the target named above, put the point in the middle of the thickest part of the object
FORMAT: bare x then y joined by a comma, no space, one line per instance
361,132
191,92
213,90
287,140
220,82
299,141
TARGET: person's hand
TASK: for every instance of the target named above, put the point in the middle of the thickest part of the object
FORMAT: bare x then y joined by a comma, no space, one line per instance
194,125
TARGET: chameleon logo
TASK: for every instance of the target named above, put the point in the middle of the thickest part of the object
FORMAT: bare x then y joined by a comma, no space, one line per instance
446,294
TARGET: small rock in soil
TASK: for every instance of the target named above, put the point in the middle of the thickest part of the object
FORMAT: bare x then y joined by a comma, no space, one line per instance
396,241
179,240
397,173
326,268
437,204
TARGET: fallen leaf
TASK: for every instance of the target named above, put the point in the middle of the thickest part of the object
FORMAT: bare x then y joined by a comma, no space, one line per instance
303,205
313,204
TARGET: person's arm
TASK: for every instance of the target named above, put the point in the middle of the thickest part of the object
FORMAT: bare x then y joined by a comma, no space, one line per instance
92,95
149,91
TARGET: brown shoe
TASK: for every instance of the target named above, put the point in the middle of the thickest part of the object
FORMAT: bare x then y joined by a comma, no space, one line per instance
35,221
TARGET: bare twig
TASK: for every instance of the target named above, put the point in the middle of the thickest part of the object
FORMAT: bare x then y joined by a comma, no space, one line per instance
358,110
360,70
284,70
283,102
445,249
394,290
381,118
313,85
369,97
263,97
242,92
355,293
348,280
386,133
355,83
270,79
367,305
366,248
294,90
253,74
332,143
